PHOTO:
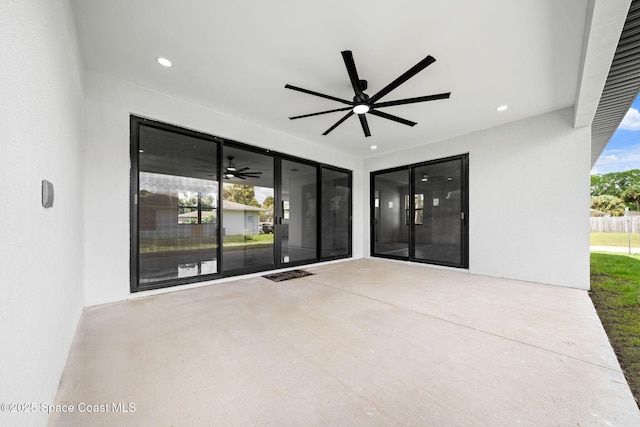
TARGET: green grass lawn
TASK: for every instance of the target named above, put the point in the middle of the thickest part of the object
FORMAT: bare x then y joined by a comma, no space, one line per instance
614,239
253,240
615,292
175,244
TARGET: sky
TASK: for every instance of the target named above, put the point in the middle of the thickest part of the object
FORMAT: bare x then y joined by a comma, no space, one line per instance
622,153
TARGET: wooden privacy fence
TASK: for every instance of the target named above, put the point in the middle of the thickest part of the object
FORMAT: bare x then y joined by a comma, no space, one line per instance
614,224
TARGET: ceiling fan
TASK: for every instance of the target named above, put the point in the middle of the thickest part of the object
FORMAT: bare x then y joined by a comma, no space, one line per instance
231,171
363,103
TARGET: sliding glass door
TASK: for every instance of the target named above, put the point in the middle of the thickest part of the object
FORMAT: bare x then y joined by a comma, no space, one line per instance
439,224
204,207
247,205
391,213
419,212
335,227
176,229
297,220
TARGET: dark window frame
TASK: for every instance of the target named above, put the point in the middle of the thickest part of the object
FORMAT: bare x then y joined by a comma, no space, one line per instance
198,208
413,211
137,121
350,224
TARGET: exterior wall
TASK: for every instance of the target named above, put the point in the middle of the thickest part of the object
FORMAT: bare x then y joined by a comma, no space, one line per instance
109,102
528,197
41,250
236,222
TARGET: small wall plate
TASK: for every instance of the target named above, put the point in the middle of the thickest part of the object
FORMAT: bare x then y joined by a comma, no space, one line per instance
47,194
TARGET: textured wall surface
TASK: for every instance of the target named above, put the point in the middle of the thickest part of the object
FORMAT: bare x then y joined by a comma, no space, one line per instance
109,103
41,249
528,197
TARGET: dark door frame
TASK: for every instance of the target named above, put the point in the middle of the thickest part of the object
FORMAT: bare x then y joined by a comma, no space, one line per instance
135,286
464,243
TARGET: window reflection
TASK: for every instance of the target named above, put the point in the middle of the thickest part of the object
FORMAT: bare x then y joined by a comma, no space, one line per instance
247,205
187,224
336,213
177,200
392,214
299,225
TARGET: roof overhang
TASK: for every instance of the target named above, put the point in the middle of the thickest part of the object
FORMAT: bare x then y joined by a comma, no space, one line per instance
609,79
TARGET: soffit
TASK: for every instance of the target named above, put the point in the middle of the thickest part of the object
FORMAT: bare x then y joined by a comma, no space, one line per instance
622,84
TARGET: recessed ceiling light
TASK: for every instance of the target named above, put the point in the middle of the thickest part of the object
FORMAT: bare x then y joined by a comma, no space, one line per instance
374,147
164,62
502,108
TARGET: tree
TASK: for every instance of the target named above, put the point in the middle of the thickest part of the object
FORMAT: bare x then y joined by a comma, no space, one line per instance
239,193
612,205
267,215
632,194
614,183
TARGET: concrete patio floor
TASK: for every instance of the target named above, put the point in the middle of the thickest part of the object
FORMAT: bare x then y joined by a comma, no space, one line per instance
359,343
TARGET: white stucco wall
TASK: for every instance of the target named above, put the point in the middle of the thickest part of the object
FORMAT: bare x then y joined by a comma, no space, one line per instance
41,250
109,102
521,176
528,197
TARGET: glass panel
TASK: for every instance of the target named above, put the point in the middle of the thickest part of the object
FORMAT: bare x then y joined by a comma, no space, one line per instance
392,212
298,233
177,205
247,203
438,195
336,213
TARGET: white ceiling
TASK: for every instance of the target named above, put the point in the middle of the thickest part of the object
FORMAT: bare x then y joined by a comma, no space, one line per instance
236,56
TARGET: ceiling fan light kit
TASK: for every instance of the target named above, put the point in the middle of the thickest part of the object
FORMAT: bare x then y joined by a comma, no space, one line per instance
231,171
363,104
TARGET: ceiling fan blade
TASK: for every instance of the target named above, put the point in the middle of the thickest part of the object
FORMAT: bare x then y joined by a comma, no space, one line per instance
413,100
339,122
404,77
322,112
392,117
321,95
347,56
365,125
243,169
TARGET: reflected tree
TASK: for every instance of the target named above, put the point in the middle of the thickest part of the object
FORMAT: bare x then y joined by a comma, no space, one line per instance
238,193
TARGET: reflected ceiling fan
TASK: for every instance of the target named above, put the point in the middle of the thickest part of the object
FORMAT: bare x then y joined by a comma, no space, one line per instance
363,103
232,171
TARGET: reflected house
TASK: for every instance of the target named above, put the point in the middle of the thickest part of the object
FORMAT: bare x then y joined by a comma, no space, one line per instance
178,206
240,219
160,217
